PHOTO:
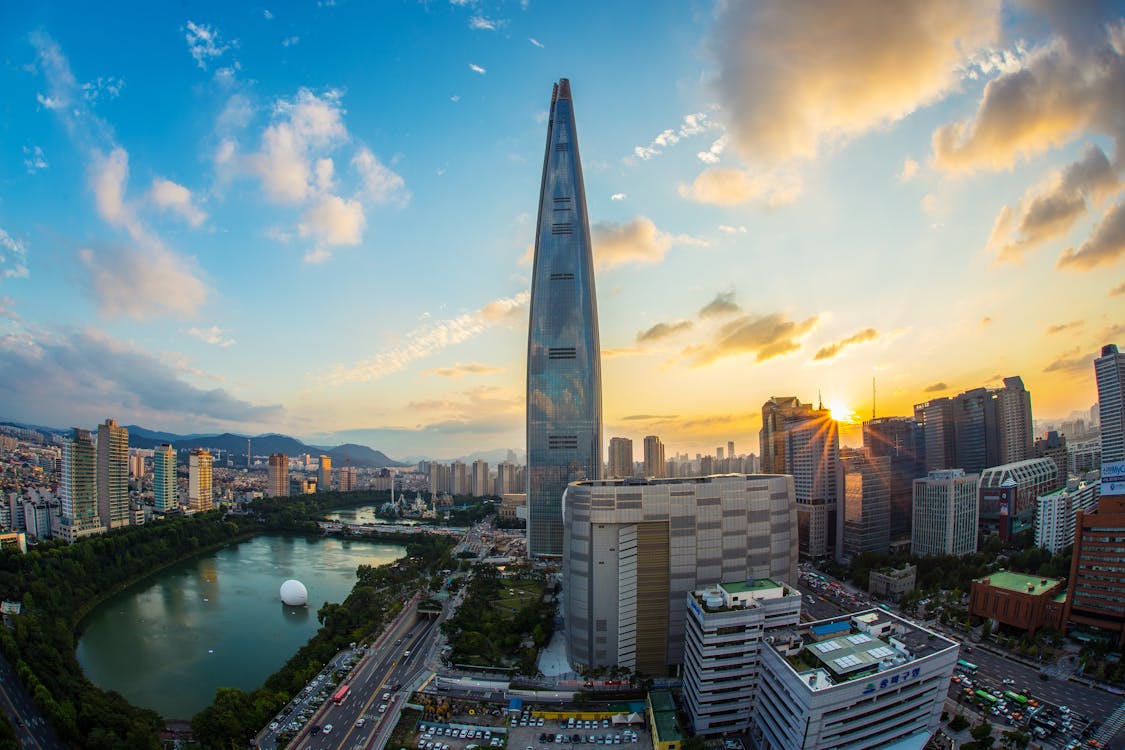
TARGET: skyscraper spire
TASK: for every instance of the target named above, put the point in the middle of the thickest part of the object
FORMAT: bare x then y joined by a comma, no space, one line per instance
564,384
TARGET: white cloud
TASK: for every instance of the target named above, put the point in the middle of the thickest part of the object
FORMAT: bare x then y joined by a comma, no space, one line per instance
477,68
692,124
34,159
170,196
909,170
480,23
49,102
617,197
267,14
108,176
381,184
205,43
730,187
306,124
214,336
726,229
711,155
334,221
13,257
289,41
637,241
140,283
109,87
428,339
535,41
317,256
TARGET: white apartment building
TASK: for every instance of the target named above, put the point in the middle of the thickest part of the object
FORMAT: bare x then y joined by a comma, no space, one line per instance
945,514
1055,513
725,626
870,680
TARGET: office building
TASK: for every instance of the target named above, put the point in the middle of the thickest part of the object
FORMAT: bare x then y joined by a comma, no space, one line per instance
1056,513
936,419
1016,433
200,494
871,680
78,487
1109,371
1008,495
634,548
113,474
901,439
867,505
1095,598
324,474
945,514
1054,447
802,441
564,379
654,457
278,476
620,458
1023,602
892,583
165,491
725,627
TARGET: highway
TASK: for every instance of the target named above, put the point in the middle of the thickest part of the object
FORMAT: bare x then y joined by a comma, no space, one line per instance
32,731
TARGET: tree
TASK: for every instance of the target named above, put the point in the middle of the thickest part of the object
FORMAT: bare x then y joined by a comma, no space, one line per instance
982,733
695,742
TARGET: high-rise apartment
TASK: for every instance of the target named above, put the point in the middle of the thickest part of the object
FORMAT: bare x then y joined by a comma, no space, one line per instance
165,493
200,494
1109,370
324,474
620,458
113,474
654,457
634,548
481,485
564,379
1057,510
278,475
802,441
1017,435
78,488
945,514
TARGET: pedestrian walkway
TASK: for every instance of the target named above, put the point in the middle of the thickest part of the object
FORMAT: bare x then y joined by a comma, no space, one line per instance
1111,726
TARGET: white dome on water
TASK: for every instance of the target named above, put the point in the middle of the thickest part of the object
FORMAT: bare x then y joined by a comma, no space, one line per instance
294,593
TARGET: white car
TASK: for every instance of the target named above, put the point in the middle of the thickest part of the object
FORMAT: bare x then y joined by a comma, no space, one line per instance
327,728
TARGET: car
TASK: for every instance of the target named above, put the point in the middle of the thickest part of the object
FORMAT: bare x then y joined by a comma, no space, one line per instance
327,728
1008,681
314,729
274,725
382,707
386,696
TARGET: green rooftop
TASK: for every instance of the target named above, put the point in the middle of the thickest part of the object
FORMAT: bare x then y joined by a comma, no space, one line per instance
754,584
664,716
1024,584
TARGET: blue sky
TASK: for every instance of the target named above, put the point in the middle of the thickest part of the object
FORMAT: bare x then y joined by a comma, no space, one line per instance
316,218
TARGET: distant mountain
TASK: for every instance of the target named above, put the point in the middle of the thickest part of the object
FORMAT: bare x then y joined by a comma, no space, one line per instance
493,457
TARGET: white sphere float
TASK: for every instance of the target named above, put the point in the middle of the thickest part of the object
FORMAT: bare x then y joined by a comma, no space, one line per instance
294,593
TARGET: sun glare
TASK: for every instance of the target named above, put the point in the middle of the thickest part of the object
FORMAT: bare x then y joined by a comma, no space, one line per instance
843,414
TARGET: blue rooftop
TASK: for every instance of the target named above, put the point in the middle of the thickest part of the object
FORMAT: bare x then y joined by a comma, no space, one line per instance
831,627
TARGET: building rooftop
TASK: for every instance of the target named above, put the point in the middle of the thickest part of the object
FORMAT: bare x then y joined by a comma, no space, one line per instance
664,717
1021,582
751,584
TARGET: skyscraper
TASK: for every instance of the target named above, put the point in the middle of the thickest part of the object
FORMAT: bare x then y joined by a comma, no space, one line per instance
564,381
324,474
901,440
113,474
279,475
1109,370
620,458
654,457
78,490
200,496
164,478
945,514
1017,438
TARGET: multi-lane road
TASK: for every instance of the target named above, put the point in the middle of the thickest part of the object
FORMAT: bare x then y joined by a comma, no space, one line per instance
31,729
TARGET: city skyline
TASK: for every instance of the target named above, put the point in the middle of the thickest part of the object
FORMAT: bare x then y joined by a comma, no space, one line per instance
227,220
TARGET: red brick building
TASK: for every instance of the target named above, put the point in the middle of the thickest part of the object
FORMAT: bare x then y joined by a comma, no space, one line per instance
1019,601
1096,598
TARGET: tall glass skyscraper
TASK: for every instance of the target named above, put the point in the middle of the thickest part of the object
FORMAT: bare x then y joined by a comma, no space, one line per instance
564,375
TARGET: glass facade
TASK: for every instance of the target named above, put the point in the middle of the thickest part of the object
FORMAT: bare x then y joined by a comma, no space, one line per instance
564,381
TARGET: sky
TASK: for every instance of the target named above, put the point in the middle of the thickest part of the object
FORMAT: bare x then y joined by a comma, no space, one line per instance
317,218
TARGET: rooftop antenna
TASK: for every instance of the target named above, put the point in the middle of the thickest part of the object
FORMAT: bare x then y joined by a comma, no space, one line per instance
820,400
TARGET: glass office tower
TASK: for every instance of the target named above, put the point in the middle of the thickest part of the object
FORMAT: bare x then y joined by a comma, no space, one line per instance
564,379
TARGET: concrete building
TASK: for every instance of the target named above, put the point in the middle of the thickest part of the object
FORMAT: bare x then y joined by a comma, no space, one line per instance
1023,602
78,487
165,491
1096,595
278,475
481,485
620,458
1053,446
725,627
459,478
635,548
1056,513
1008,495
113,474
871,680
348,478
802,441
654,457
200,494
1083,457
1109,371
892,583
513,506
945,514
324,474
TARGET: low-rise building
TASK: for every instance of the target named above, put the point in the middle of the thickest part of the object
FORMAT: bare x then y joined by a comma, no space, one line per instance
870,680
1020,601
892,583
663,727
725,624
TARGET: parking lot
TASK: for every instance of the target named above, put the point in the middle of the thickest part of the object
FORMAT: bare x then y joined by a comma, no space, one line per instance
527,731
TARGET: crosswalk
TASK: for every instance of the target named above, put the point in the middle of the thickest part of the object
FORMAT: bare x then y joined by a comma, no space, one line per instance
1111,726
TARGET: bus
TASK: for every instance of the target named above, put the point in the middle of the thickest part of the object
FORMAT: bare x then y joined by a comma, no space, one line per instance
341,693
968,667
1020,699
986,697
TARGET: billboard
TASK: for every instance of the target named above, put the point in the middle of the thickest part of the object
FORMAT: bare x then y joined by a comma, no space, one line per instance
1113,478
